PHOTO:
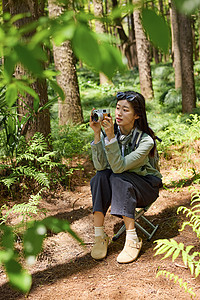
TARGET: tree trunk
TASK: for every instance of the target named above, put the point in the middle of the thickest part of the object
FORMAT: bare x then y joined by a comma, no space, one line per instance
199,32
126,43
41,121
143,58
195,46
100,28
133,50
186,49
70,111
176,55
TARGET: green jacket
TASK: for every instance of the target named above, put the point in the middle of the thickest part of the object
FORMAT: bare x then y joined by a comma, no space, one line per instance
110,157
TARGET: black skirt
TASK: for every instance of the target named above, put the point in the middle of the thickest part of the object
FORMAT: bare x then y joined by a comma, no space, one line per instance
124,192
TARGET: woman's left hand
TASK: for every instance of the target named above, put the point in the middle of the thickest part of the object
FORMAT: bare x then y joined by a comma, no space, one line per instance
108,127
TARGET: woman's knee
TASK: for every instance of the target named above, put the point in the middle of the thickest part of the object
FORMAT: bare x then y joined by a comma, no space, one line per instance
103,175
117,179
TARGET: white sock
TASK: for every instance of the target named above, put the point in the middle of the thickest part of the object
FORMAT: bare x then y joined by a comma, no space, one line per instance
99,231
131,235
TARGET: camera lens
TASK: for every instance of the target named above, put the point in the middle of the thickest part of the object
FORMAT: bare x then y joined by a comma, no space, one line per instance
95,117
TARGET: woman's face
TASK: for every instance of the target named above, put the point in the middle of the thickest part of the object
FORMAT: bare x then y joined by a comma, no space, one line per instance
125,116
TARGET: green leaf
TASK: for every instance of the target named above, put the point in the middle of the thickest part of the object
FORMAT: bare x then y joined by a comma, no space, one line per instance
156,28
57,89
9,66
187,6
6,256
66,32
27,58
33,239
7,238
111,59
86,47
184,257
40,36
36,103
48,104
18,277
176,254
11,94
25,88
169,252
57,226
162,249
188,248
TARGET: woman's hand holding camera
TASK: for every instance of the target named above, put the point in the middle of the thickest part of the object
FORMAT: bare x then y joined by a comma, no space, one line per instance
108,125
96,127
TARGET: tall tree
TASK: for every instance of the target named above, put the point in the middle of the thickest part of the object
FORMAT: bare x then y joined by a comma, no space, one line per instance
186,47
100,28
126,42
41,121
70,111
131,33
144,66
176,55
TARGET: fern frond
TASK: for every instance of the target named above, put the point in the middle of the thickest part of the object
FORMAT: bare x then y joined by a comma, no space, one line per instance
46,160
171,247
38,143
40,177
176,279
8,181
26,209
194,218
27,156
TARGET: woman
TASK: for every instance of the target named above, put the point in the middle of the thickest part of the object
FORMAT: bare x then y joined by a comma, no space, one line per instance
125,179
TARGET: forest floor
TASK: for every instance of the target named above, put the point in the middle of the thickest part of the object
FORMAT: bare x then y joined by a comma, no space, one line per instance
65,269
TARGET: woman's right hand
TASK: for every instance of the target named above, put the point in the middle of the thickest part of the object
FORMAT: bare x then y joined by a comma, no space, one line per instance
96,127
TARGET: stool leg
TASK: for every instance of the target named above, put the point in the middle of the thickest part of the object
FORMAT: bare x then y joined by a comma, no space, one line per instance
117,235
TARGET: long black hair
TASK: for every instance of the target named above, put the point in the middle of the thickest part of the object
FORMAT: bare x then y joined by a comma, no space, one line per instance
138,103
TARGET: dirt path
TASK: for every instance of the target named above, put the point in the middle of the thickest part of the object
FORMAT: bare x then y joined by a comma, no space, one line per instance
65,270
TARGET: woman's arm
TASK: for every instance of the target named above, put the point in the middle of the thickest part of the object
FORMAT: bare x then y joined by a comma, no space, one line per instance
98,148
134,160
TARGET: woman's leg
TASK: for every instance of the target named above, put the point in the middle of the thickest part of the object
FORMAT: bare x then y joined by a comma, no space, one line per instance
101,198
129,223
98,219
124,202
132,244
131,234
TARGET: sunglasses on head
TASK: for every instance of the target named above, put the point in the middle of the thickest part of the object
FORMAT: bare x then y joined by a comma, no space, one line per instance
124,96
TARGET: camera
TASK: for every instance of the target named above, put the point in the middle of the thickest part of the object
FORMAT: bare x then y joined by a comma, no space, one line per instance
100,114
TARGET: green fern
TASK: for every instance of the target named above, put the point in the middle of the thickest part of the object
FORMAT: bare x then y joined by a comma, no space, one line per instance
40,177
171,247
171,276
26,210
9,181
174,249
33,160
193,214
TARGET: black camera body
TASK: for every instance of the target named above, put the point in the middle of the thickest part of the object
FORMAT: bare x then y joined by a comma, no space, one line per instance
100,114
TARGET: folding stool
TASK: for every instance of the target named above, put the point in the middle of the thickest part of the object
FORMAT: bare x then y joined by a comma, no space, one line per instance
139,214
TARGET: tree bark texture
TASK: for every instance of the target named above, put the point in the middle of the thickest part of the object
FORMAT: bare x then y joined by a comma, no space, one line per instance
186,50
176,55
41,121
143,58
69,110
